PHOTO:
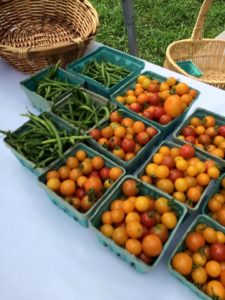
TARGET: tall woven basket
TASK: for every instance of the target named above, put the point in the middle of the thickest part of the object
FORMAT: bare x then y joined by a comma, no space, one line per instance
37,33
207,54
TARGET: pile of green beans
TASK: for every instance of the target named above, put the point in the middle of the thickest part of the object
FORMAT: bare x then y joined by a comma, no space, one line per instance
41,142
51,87
81,111
105,72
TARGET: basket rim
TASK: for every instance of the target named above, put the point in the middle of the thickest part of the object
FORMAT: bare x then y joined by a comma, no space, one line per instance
180,70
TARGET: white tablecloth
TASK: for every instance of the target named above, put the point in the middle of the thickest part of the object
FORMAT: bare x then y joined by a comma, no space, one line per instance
45,254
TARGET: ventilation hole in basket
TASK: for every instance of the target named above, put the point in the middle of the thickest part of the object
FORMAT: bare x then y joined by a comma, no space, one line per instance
105,244
118,254
133,265
75,218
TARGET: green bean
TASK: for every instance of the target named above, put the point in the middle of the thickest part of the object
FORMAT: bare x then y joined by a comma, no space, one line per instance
51,87
81,111
40,140
104,71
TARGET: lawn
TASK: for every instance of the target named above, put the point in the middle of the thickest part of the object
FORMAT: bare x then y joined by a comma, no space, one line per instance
158,23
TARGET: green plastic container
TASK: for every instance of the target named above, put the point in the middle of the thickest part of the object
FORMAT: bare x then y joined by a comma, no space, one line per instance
189,67
59,123
82,218
202,157
166,129
142,155
95,222
181,247
100,100
216,189
29,86
201,113
131,63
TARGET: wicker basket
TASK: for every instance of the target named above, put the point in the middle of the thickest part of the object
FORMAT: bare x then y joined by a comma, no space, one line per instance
207,54
37,33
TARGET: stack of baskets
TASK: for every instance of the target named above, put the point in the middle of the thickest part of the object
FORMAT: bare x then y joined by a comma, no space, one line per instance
37,33
207,54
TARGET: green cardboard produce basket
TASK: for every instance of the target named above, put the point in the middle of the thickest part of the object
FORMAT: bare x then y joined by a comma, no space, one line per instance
82,218
59,123
131,63
202,157
166,129
95,222
216,189
141,156
29,86
200,113
180,247
96,98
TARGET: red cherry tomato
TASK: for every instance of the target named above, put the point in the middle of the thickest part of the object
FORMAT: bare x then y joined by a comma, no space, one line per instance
148,219
95,134
114,142
104,173
142,138
128,145
187,151
217,252
188,131
165,119
221,130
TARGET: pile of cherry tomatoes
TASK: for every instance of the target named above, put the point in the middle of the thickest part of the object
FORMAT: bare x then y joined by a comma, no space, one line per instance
178,172
123,136
82,180
139,223
205,134
158,101
216,204
203,260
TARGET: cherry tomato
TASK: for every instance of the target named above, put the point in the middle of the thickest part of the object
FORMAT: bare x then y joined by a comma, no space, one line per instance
188,131
133,246
194,241
134,229
93,183
199,275
145,258
165,119
221,130
215,290
128,145
142,138
221,216
175,174
129,187
161,231
114,142
168,161
182,263
187,151
152,245
120,236
104,173
148,219
217,252
115,116
95,134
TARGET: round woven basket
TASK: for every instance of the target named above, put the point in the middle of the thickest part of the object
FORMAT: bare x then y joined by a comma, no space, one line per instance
37,33
207,54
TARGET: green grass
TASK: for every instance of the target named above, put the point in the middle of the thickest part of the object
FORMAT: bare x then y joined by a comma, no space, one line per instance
158,23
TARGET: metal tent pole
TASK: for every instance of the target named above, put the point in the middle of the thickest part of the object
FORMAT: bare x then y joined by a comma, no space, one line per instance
128,12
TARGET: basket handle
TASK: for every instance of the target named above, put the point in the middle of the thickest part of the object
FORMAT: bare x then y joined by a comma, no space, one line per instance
198,29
